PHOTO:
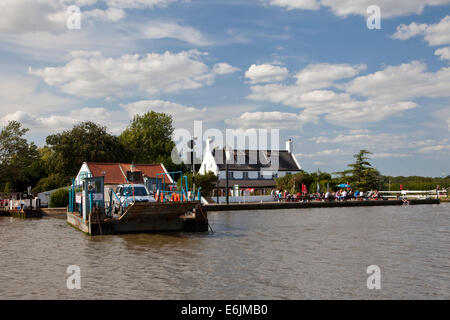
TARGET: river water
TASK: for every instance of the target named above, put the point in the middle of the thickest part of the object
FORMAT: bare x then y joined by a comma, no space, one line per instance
277,254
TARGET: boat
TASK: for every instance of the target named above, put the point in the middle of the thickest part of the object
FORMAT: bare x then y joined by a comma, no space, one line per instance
174,209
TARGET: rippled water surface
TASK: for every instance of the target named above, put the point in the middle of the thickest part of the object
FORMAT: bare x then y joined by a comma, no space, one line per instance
280,254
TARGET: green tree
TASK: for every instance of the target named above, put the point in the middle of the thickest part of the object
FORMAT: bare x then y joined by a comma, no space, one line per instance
52,182
59,198
17,157
7,188
207,182
362,174
85,142
149,138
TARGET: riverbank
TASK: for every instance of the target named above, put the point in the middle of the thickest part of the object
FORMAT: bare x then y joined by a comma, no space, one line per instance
315,204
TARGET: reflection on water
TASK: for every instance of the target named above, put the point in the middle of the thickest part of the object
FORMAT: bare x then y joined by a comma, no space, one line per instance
282,254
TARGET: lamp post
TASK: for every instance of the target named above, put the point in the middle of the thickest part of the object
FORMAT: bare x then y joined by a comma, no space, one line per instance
191,145
227,157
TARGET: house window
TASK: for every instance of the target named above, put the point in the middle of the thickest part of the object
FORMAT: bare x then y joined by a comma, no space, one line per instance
267,174
253,174
222,175
238,174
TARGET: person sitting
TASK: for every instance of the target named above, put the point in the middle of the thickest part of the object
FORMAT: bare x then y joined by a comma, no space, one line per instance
344,195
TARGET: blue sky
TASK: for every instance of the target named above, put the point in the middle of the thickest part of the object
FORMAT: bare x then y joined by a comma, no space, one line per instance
310,68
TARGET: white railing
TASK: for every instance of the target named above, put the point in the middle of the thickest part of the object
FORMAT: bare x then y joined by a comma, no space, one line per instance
245,199
418,194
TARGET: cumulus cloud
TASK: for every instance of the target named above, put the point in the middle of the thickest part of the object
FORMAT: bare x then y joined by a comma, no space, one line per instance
324,153
23,16
399,146
296,4
127,4
266,73
405,81
57,122
323,75
24,93
161,30
344,8
270,120
179,112
224,68
443,53
435,34
90,74
320,91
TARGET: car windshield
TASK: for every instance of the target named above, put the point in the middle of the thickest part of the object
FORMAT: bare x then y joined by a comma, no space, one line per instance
138,192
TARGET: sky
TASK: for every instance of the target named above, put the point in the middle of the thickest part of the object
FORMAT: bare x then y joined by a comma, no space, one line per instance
313,69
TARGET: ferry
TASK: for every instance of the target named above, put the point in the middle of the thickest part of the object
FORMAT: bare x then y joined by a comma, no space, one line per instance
173,208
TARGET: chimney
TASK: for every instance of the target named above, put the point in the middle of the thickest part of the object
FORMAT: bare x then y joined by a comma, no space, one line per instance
208,145
289,146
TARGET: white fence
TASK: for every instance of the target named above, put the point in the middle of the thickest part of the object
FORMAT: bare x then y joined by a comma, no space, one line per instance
415,194
22,204
245,199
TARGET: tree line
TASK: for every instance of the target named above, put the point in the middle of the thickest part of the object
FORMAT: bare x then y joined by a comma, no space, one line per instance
361,175
148,139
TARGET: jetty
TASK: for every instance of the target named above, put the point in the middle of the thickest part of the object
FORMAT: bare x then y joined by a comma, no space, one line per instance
28,208
317,204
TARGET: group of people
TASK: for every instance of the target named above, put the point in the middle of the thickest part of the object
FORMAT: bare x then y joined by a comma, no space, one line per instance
349,194
340,195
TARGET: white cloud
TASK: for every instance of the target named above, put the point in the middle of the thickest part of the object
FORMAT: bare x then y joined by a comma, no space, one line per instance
180,113
296,4
161,30
405,32
224,68
344,8
367,111
435,34
25,16
342,108
92,75
323,153
57,122
266,73
443,53
110,14
23,93
405,81
436,148
125,4
386,145
22,16
323,75
384,155
273,120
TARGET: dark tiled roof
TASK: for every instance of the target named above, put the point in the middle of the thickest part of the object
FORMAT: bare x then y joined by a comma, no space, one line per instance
251,160
260,183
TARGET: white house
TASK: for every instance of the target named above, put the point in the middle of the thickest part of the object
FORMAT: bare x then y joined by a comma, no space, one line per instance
250,169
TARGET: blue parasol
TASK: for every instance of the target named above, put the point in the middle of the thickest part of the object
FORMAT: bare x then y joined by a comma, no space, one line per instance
344,185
